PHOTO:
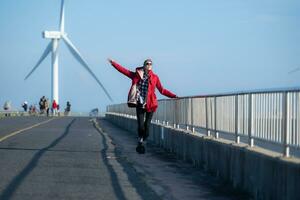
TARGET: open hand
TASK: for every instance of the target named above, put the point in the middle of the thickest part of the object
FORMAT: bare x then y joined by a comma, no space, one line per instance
109,60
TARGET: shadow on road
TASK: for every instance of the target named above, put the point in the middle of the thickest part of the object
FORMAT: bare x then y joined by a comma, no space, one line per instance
141,188
17,181
114,178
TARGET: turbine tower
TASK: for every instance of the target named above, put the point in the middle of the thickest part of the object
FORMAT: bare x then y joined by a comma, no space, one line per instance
52,47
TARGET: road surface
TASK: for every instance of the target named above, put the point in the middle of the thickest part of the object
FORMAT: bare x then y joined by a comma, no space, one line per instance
84,158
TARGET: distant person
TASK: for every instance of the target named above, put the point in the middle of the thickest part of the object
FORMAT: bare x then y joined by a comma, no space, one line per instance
58,111
68,108
54,108
42,104
32,110
47,103
142,96
7,107
25,106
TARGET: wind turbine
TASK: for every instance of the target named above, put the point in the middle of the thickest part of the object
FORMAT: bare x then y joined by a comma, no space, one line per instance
52,47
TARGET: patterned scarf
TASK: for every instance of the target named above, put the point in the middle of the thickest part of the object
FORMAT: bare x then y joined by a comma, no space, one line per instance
143,89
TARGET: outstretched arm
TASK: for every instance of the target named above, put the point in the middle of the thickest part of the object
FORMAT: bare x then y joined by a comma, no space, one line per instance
121,69
164,91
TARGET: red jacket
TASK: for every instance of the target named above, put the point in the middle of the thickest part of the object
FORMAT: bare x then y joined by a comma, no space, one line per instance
154,82
54,105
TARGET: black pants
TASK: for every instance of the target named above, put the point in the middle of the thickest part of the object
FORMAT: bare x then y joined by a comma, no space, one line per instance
143,122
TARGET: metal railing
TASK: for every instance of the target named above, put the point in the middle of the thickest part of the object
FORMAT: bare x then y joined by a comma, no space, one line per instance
272,116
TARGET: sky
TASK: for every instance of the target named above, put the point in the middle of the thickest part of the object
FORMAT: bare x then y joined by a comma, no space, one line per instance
198,47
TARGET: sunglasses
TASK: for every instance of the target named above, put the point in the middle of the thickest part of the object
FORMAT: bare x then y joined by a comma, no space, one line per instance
148,63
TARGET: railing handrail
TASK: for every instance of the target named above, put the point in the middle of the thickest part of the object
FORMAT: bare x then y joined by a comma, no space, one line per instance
258,91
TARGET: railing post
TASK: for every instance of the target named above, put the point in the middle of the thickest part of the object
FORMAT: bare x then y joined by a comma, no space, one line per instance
187,128
206,117
192,116
215,120
285,128
236,119
186,104
165,113
250,138
176,112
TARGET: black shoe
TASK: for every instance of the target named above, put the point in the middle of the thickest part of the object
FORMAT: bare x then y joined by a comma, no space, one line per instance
140,148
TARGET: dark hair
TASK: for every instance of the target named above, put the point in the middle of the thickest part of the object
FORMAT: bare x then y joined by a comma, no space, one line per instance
147,61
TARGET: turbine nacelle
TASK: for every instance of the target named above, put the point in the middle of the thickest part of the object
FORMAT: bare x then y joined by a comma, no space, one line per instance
52,34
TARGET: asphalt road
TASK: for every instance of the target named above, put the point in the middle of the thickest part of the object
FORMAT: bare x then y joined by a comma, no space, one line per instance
72,158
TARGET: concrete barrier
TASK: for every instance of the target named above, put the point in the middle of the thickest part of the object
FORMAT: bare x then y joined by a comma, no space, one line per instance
261,173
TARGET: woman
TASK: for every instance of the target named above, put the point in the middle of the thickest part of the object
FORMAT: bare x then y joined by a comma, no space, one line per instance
142,96
54,107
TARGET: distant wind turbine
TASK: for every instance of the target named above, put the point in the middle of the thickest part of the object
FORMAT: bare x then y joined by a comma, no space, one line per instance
55,37
294,70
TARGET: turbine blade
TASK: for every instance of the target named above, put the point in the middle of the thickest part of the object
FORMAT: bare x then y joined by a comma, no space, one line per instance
78,56
62,17
44,55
